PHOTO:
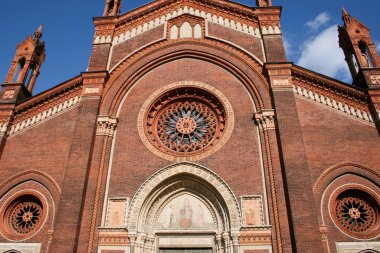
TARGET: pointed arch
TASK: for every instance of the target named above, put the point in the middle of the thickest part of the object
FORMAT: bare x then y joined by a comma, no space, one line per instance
178,178
345,168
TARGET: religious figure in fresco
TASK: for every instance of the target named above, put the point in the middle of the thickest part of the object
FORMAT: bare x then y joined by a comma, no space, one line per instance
250,217
199,220
185,214
170,216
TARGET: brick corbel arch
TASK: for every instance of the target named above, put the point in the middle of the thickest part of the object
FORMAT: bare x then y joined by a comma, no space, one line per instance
330,174
31,175
217,184
126,74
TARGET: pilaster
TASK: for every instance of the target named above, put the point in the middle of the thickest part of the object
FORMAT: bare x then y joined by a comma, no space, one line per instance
70,210
303,221
266,121
94,200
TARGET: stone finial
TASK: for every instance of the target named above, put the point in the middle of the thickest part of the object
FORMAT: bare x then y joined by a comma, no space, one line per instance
263,3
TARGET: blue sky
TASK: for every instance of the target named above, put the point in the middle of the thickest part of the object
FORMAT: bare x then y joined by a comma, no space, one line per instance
68,33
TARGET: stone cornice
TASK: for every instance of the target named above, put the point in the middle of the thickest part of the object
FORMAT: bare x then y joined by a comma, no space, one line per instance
39,117
44,98
329,84
349,100
236,16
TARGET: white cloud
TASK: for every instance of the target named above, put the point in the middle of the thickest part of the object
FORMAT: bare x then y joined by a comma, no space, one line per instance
319,21
322,54
288,46
378,47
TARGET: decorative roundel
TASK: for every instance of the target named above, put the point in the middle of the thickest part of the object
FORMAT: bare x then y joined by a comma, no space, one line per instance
356,212
23,216
185,121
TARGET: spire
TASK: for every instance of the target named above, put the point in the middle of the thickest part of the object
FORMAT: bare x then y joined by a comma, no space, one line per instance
345,16
38,32
344,12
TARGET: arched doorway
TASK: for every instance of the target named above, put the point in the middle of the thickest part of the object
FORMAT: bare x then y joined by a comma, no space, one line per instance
184,208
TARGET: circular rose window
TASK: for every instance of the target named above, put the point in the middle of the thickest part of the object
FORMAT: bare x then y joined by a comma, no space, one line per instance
185,123
23,216
356,212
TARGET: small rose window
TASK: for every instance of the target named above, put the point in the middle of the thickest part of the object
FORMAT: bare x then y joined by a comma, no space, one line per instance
356,212
23,216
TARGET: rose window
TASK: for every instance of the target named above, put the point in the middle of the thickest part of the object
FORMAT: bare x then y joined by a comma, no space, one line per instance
357,213
23,216
185,121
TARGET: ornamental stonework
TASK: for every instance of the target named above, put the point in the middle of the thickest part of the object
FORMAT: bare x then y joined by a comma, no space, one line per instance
356,212
22,217
185,121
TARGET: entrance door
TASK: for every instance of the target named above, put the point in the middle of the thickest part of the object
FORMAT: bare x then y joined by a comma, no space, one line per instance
185,250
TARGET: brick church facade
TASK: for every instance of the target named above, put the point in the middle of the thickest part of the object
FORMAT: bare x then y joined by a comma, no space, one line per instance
190,132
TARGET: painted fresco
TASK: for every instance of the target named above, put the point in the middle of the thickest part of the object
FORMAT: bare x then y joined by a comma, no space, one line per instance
252,211
185,212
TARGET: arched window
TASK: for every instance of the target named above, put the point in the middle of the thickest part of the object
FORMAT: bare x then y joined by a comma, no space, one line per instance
355,63
20,66
30,74
110,7
186,30
369,251
365,54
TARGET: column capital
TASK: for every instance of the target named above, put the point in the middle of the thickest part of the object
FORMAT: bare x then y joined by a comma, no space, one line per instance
106,125
265,119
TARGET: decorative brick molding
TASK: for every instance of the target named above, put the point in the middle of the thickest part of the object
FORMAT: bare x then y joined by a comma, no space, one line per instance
113,237
258,236
334,103
106,125
45,115
341,169
265,119
198,12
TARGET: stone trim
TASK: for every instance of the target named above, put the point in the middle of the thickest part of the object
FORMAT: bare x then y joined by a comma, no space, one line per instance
265,119
342,106
44,115
21,247
106,125
353,247
196,170
232,24
3,128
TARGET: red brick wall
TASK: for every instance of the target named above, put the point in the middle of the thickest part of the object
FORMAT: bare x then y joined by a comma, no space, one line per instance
125,48
237,162
274,48
331,138
250,43
44,148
